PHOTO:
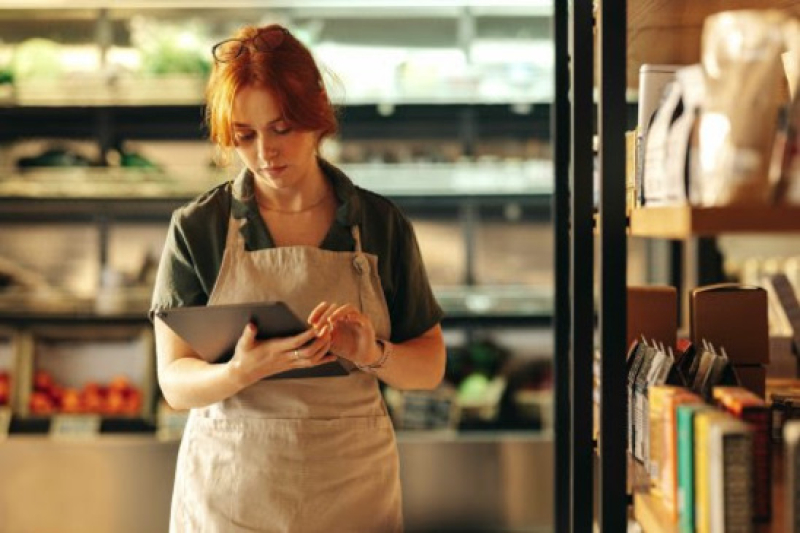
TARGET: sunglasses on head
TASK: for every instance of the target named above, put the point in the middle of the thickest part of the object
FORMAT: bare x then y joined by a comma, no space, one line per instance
264,41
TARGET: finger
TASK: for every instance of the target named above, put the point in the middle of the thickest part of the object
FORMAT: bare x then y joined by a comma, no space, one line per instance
318,350
304,338
346,313
297,358
320,339
318,311
307,350
325,316
324,331
288,344
248,337
329,358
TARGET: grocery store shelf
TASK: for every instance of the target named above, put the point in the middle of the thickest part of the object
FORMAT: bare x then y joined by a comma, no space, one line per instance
679,222
119,194
320,8
189,92
463,305
512,299
40,425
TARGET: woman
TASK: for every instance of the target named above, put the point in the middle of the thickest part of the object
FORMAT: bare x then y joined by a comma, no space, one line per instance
300,455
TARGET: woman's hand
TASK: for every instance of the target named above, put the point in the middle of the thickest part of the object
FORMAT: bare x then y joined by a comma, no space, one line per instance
254,359
351,332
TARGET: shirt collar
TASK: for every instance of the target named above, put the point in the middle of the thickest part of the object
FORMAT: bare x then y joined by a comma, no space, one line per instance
243,202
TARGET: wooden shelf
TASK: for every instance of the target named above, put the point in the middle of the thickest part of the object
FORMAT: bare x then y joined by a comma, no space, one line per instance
679,222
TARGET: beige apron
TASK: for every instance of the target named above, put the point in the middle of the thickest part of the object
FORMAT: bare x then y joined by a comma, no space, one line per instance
293,455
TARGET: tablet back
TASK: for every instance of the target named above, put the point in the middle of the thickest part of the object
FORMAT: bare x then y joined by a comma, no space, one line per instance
213,331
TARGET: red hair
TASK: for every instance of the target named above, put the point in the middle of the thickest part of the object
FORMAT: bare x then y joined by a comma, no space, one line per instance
288,71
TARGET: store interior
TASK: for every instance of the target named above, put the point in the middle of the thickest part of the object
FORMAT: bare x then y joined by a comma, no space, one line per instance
447,110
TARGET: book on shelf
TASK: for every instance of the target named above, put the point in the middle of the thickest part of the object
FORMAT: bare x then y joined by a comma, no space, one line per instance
667,474
636,359
685,415
756,413
730,446
639,386
703,484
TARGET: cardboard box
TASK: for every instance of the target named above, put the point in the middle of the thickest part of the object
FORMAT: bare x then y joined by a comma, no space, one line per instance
752,378
653,313
733,317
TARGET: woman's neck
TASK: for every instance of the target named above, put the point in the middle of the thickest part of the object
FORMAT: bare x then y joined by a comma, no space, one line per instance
310,193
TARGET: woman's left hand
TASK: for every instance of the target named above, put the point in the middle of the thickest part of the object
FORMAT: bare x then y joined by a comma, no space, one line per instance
352,332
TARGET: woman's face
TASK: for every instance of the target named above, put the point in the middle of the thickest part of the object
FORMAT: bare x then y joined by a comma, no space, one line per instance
278,156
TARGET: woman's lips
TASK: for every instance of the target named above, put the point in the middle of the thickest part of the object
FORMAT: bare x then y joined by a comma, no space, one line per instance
273,171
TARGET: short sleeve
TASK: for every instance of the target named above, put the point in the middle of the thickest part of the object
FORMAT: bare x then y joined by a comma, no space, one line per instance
413,308
177,283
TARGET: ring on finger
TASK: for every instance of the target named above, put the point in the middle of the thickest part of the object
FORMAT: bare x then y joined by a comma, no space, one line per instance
295,355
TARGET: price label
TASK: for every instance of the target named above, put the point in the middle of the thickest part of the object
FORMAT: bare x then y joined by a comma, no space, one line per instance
5,422
75,427
170,423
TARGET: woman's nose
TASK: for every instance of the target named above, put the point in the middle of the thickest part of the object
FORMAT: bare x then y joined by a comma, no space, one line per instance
267,150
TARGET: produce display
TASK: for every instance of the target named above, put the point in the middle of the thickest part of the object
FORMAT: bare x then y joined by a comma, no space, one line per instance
119,397
5,388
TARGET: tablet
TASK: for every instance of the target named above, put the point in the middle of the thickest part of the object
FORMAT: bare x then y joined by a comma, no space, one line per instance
213,330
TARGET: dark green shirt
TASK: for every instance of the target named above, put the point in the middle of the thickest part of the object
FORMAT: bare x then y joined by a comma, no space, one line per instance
196,241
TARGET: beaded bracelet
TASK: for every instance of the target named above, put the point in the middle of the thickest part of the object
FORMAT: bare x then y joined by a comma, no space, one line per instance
386,350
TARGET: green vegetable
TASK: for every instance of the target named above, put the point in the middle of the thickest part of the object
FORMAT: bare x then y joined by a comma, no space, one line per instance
36,59
473,387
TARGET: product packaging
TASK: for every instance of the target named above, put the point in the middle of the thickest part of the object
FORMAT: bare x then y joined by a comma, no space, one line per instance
741,58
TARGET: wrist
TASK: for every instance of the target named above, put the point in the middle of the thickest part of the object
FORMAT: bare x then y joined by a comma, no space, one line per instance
384,350
375,353
235,374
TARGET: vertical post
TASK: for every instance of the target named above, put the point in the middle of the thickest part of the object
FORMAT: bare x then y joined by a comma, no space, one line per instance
612,36
104,38
582,259
560,134
102,223
468,213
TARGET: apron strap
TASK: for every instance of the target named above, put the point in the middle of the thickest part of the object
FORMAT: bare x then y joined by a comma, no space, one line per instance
361,265
356,233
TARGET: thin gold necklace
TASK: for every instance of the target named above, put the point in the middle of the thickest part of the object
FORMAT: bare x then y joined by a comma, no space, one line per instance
287,212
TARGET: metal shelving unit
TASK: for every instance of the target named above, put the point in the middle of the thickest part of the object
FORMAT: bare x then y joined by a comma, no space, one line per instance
593,495
563,474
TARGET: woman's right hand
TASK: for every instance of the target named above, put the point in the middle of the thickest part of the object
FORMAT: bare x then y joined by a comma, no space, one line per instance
255,359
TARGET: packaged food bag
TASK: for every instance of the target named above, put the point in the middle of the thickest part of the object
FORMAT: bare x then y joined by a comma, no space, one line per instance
741,58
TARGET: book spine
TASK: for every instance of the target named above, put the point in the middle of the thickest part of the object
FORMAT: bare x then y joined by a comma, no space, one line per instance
756,414
759,419
702,483
686,492
730,476
630,417
657,400
638,440
669,466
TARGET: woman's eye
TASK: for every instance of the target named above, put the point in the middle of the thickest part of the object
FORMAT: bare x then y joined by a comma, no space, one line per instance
245,136
282,130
